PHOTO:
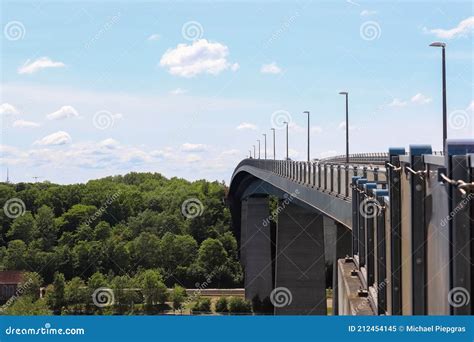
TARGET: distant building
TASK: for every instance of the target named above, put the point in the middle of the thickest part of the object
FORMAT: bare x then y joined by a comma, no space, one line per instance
9,282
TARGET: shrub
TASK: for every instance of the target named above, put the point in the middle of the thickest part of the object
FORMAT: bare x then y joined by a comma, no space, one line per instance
221,305
239,305
202,305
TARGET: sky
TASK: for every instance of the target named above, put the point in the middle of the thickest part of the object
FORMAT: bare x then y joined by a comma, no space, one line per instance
91,89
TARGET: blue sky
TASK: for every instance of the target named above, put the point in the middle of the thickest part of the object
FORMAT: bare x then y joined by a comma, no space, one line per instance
90,89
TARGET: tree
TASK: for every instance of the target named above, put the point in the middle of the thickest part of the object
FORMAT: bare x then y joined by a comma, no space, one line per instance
75,292
154,290
202,305
23,228
239,305
178,296
212,255
46,227
28,306
79,213
177,250
31,285
55,297
15,255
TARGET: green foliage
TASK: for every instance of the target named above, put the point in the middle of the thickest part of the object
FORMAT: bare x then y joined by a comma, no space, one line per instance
27,306
177,297
23,228
153,288
212,255
239,305
76,292
55,296
222,305
202,305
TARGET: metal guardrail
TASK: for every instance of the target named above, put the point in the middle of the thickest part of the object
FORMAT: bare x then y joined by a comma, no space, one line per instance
412,224
330,177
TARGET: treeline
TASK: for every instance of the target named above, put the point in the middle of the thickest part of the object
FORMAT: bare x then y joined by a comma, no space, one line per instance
121,226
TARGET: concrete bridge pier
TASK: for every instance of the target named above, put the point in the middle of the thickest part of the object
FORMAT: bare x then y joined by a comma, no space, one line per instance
255,247
299,262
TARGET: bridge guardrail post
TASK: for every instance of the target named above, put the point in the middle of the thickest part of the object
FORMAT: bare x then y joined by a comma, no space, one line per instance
368,211
361,222
355,216
382,278
338,191
461,168
394,187
418,227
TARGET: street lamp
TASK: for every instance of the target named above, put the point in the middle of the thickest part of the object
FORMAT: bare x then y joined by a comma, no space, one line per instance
258,148
445,122
273,129
265,150
286,122
250,153
306,112
347,124
253,151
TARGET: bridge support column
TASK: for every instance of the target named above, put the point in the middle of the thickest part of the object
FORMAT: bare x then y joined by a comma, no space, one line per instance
342,248
300,262
256,247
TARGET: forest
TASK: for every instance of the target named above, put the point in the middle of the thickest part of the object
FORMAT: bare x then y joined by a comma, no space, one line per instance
138,231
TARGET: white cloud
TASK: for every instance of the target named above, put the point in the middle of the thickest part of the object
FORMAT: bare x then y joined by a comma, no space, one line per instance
192,158
327,154
293,154
42,63
197,58
25,124
366,13
178,91
8,109
461,30
295,127
271,68
420,99
247,125
397,103
187,147
235,67
63,113
109,143
233,152
58,138
154,36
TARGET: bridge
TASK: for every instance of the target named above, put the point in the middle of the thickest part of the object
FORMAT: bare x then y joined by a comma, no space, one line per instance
390,233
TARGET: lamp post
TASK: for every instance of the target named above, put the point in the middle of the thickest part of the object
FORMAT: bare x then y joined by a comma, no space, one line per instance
265,146
306,112
253,151
250,153
286,122
258,148
346,94
445,121
273,129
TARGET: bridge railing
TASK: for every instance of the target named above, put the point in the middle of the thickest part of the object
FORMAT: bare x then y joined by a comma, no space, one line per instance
331,177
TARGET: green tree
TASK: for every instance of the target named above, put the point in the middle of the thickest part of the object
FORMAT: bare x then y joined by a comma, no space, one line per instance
154,290
239,305
177,297
31,285
221,305
46,227
76,292
212,255
23,228
28,306
55,297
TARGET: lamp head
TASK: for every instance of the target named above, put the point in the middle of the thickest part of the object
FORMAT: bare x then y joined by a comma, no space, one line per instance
343,93
438,44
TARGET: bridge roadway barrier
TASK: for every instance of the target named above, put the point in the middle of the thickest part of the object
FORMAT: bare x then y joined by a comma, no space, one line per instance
407,218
